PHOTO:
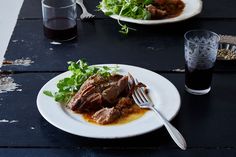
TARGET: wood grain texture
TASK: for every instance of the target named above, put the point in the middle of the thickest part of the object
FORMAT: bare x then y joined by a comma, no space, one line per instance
158,48
205,121
9,152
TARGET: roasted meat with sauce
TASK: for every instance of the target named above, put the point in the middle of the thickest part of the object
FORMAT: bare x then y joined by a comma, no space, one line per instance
165,8
105,100
98,92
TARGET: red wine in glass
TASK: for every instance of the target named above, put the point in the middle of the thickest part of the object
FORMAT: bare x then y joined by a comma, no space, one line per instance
198,79
60,29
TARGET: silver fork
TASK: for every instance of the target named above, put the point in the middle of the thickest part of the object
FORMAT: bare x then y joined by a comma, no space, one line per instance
85,14
143,101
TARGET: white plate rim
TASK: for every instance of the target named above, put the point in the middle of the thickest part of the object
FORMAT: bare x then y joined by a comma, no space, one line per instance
67,128
192,8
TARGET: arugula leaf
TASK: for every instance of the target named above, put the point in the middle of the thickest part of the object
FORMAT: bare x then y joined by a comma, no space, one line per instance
124,29
108,13
48,93
130,8
147,2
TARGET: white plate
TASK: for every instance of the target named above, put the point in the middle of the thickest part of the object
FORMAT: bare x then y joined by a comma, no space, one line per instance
162,92
192,8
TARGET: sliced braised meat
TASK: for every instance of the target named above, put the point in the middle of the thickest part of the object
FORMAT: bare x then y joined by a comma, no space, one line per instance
165,8
80,96
73,101
87,88
111,94
93,80
98,92
106,99
93,102
122,83
106,115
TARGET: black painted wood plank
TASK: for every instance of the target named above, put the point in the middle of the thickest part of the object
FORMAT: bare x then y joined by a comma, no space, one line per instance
114,152
211,9
157,48
205,121
218,9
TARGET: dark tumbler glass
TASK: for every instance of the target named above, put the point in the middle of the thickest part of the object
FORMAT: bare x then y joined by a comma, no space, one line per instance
59,19
201,48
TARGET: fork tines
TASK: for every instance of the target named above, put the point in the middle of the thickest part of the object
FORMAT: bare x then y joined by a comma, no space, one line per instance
138,94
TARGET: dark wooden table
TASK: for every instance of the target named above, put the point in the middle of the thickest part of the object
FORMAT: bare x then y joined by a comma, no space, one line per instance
207,122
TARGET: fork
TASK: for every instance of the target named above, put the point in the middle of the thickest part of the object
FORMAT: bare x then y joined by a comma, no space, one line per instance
142,100
85,14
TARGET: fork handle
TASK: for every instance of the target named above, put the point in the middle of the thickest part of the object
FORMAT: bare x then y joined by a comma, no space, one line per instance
174,133
80,2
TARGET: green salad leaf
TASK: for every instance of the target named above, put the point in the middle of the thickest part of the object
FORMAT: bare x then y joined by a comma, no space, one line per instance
81,71
135,9
130,8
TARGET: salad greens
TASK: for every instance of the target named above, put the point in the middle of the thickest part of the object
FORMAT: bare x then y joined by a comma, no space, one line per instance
81,71
129,8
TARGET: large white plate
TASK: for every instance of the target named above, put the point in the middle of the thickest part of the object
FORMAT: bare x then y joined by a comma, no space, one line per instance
162,92
192,8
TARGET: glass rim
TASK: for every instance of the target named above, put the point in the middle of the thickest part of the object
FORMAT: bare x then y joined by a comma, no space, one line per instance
200,30
67,6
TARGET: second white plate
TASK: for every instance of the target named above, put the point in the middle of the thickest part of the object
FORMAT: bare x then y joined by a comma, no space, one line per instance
192,8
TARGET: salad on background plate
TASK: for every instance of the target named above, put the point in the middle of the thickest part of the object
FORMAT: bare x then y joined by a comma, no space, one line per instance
149,12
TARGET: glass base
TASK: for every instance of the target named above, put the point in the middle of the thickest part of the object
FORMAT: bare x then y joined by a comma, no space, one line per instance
62,40
197,92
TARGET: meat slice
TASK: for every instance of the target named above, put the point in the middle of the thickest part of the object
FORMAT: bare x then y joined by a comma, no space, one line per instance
92,102
106,115
92,80
87,88
79,96
111,94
